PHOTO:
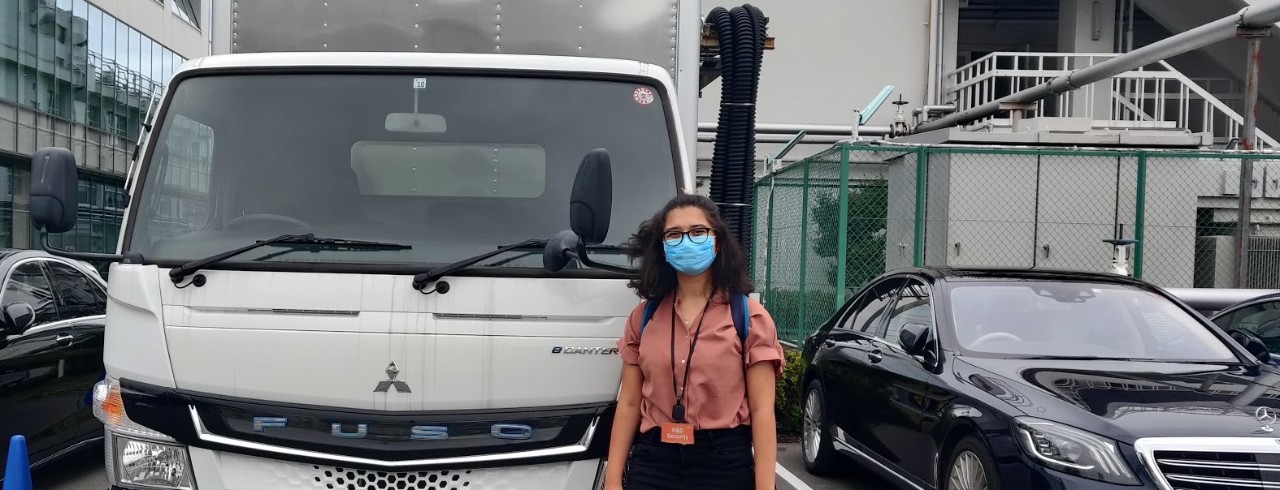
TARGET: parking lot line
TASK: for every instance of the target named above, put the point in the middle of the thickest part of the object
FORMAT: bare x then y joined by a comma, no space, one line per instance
791,479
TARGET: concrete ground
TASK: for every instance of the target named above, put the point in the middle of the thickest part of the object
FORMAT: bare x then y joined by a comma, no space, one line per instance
83,471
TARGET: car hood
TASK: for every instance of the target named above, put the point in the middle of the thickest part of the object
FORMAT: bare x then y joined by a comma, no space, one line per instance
1130,400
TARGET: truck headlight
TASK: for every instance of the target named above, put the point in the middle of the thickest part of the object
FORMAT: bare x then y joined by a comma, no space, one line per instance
1073,451
138,457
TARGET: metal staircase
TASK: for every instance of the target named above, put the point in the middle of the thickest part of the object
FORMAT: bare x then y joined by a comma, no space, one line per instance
1155,97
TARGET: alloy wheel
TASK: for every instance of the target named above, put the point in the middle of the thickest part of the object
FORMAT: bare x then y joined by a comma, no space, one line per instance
967,473
812,426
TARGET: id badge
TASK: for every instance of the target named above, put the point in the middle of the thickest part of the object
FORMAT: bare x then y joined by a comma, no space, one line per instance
673,433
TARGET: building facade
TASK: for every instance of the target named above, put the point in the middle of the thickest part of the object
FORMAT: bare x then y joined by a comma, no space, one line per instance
80,74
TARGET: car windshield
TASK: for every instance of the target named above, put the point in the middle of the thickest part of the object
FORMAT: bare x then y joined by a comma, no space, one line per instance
451,166
1078,320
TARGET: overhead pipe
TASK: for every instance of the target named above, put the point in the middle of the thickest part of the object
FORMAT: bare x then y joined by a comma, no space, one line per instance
812,129
1256,16
824,139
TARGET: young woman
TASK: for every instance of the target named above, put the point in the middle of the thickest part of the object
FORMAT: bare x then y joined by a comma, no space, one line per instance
696,405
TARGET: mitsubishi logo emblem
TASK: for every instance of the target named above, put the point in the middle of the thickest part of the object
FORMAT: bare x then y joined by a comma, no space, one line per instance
391,380
1266,416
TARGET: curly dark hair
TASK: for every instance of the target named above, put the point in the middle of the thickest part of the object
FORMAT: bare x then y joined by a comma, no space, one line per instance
657,278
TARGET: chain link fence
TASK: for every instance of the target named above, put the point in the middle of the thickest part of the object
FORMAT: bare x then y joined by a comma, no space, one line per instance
826,225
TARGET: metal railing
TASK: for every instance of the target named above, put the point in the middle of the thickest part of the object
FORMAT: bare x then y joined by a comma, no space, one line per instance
1155,96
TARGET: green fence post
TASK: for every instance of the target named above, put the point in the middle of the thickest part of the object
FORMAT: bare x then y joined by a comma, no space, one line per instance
1140,215
842,240
804,251
768,248
922,160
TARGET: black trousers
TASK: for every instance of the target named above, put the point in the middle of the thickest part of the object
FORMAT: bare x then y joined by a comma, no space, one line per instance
717,459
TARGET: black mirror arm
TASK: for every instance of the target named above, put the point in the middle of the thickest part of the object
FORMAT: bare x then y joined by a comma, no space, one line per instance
581,255
70,254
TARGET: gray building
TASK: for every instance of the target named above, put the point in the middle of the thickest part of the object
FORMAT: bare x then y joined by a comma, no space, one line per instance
79,74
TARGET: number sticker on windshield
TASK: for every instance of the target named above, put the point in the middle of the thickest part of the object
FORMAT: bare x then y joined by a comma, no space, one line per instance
419,83
643,95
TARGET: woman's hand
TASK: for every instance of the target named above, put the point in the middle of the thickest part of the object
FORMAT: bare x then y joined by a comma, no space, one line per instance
761,379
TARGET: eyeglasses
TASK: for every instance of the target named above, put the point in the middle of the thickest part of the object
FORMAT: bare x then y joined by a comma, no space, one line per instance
697,236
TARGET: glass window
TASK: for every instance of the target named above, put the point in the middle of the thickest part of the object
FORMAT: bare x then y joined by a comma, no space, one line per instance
9,28
166,57
157,64
94,74
1262,320
187,10
78,295
879,298
1076,319
296,163
28,284
913,306
144,66
119,76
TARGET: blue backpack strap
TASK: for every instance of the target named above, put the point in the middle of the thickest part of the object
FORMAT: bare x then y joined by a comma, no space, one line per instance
741,315
650,306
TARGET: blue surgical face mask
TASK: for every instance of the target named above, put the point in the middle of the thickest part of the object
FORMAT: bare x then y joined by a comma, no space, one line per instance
690,258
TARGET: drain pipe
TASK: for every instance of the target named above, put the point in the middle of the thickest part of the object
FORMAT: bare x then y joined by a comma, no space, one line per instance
1256,16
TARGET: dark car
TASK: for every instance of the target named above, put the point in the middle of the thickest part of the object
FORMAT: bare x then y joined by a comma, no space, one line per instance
52,314
1021,380
1254,321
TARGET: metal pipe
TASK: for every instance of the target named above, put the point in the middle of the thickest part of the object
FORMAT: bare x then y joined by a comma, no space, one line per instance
822,139
1218,30
791,129
1248,142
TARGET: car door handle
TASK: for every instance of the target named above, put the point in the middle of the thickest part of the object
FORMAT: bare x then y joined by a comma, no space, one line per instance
64,339
875,356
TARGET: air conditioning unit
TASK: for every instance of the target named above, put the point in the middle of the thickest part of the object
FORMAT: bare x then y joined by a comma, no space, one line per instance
1215,263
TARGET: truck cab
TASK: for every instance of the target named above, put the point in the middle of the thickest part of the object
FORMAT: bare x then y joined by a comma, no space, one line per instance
376,270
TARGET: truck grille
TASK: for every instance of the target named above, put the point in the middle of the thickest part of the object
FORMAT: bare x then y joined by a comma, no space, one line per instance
243,472
1199,470
334,478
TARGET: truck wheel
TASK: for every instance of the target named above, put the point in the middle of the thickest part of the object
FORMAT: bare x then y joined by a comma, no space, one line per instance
819,454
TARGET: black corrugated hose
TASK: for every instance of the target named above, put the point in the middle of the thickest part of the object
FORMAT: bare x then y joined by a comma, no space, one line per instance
741,34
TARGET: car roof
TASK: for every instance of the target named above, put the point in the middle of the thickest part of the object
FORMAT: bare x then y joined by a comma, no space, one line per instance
987,273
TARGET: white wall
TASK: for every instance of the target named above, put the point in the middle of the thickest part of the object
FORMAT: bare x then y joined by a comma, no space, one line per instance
832,56
155,18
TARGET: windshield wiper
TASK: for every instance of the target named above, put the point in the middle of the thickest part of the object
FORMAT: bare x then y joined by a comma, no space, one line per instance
421,281
182,271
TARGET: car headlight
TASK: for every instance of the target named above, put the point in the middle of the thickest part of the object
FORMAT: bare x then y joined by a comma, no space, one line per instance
1073,451
138,457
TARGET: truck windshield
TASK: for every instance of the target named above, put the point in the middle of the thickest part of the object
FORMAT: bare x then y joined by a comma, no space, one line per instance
452,166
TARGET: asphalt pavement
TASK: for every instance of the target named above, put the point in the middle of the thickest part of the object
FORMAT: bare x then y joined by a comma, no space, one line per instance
84,471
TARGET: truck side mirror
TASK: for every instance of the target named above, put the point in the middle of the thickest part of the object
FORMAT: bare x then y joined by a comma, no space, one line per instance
17,317
54,199
591,201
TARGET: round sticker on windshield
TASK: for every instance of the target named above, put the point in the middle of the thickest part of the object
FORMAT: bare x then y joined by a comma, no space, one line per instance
643,95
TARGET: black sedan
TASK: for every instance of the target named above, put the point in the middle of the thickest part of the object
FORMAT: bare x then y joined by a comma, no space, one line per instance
1022,380
52,313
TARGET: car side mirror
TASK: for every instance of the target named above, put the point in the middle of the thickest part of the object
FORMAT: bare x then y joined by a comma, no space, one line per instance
1252,343
17,317
54,196
591,201
914,338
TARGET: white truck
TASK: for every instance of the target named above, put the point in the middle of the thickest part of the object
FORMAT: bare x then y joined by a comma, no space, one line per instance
350,270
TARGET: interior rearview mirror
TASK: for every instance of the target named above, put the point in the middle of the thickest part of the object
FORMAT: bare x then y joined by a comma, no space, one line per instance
914,338
1252,343
408,122
17,317
54,199
591,201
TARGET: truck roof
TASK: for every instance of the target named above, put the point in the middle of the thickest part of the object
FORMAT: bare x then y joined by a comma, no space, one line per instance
576,64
